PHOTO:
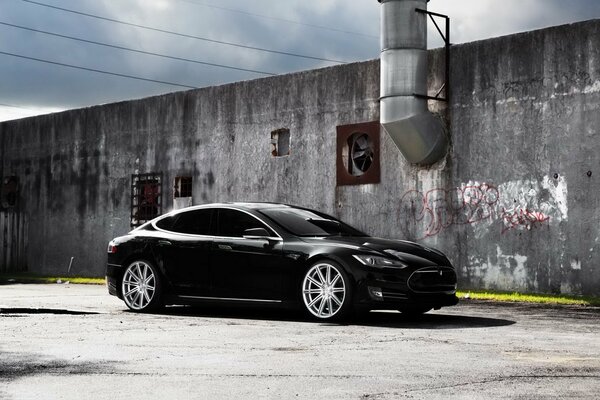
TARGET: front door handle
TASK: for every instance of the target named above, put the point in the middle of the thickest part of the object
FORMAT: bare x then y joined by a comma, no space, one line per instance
164,243
225,247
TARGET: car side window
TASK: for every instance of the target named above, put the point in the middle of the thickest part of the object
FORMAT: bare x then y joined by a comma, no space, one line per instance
195,222
233,223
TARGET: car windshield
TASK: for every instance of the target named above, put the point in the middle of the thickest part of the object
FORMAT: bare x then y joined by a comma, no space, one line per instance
310,223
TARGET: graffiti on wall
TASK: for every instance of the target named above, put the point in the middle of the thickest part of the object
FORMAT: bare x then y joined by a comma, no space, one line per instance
522,218
514,205
438,209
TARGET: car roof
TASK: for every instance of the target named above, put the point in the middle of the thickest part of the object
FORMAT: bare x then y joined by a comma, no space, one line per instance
242,205
261,206
252,206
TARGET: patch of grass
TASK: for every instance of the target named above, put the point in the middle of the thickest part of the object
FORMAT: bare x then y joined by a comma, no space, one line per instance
530,298
30,278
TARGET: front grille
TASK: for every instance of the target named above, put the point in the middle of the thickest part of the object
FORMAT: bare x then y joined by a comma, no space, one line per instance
433,280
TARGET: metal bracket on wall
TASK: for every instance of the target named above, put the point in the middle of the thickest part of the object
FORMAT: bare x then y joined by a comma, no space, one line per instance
446,38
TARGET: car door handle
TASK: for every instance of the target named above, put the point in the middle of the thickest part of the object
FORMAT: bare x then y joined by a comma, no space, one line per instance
225,247
164,243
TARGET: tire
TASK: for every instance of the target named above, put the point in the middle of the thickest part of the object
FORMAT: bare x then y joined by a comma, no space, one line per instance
326,291
141,287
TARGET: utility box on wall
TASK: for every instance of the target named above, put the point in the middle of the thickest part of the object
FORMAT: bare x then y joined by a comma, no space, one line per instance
358,155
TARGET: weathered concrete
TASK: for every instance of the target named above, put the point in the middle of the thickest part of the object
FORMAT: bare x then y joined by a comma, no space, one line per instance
511,204
525,126
75,167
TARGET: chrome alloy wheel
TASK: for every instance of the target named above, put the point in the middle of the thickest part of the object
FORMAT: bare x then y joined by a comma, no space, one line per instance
323,290
139,285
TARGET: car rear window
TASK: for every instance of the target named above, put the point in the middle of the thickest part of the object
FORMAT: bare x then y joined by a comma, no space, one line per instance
166,223
195,222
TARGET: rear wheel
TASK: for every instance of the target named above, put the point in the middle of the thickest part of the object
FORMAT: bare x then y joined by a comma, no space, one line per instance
326,291
141,286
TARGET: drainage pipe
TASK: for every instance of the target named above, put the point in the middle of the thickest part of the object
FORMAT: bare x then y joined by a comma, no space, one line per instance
417,133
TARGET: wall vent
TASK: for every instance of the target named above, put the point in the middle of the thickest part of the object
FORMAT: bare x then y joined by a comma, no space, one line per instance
357,160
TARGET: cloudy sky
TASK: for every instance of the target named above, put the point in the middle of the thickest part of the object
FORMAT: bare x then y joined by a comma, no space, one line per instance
126,49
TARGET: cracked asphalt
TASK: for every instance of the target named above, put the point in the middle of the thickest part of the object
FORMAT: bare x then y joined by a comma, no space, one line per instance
76,341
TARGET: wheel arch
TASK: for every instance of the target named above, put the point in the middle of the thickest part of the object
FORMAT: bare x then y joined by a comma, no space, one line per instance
310,261
143,253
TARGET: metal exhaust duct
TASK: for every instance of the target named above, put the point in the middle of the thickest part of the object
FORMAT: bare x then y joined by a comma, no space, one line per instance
415,131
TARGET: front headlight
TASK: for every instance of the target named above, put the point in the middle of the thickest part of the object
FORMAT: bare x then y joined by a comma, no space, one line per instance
379,262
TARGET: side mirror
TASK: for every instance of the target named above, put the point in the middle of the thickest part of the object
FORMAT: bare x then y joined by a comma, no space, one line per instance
260,233
256,233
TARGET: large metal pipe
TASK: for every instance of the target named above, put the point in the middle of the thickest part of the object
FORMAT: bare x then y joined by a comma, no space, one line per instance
416,132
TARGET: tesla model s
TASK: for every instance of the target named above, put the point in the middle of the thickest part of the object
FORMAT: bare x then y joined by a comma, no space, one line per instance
274,254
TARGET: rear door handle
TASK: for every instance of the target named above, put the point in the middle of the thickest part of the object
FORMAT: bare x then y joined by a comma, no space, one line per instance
164,243
225,247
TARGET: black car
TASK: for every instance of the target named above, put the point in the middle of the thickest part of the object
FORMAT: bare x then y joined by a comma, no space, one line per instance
265,253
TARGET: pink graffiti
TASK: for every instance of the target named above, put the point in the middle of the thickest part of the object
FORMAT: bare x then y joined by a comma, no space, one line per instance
522,217
439,208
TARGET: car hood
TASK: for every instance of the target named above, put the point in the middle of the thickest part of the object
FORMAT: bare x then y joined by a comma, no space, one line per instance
409,252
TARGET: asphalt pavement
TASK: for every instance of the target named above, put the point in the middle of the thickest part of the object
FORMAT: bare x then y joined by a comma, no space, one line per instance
76,341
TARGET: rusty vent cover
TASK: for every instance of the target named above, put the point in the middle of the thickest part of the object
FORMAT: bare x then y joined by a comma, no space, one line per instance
357,159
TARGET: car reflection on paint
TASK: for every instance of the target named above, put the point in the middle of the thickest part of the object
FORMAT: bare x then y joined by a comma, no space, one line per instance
274,254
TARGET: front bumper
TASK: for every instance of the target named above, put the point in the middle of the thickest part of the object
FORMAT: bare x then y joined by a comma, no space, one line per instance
395,299
426,287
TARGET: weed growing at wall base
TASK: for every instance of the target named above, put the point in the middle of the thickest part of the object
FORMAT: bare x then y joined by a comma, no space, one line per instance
30,278
530,298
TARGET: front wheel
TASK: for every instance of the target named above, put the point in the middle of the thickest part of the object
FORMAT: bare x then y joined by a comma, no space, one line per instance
327,291
141,286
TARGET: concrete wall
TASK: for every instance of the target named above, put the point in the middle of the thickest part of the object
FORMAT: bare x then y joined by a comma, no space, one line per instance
75,167
525,120
511,204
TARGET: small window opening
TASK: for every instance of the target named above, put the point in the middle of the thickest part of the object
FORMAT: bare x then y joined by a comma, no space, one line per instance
10,191
146,197
183,187
182,192
280,142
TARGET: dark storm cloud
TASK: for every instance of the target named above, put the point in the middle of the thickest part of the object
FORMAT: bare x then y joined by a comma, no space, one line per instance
36,85
475,20
29,83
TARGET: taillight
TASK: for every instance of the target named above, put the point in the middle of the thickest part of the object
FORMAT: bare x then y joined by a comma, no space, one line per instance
112,248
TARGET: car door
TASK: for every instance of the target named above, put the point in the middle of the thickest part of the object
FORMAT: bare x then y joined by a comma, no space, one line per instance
245,268
186,250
